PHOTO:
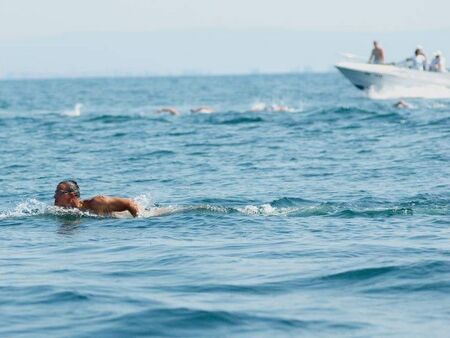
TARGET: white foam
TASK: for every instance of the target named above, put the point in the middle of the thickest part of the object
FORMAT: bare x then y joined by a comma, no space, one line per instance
147,208
33,207
264,210
272,107
145,201
75,112
258,106
26,208
159,211
202,110
438,105
427,92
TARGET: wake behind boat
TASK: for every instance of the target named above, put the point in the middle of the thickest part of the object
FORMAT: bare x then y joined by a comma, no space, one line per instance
384,76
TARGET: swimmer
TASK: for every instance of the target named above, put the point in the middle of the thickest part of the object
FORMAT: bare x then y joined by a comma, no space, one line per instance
402,105
202,110
258,107
171,111
67,195
279,108
262,107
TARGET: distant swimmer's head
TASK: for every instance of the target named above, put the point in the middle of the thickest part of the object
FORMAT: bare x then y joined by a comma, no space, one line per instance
402,105
66,193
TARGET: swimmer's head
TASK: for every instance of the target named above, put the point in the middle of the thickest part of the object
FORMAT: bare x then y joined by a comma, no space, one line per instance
66,193
69,186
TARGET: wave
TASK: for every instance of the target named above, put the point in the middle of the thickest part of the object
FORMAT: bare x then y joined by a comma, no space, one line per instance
439,122
360,274
337,113
153,154
57,297
241,120
191,321
105,118
427,276
426,92
284,207
375,213
342,110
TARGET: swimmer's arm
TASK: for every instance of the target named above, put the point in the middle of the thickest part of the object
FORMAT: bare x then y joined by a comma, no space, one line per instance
124,204
101,204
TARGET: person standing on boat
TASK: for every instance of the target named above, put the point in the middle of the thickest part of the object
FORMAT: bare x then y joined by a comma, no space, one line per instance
421,52
377,55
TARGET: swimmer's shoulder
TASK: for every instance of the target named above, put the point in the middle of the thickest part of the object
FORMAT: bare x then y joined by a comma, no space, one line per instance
98,199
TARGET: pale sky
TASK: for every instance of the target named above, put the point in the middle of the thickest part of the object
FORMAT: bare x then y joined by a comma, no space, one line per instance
107,37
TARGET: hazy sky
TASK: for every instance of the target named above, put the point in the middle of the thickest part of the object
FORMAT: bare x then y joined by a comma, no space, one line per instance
61,37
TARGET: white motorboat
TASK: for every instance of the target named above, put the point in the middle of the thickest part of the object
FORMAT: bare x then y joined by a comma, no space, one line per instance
374,76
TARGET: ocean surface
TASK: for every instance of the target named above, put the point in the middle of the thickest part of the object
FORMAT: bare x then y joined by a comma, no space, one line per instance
330,218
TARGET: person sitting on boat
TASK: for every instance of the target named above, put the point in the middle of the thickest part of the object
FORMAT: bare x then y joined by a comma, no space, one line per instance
438,63
419,60
377,55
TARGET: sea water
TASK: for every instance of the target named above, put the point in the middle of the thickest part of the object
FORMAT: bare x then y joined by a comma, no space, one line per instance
330,218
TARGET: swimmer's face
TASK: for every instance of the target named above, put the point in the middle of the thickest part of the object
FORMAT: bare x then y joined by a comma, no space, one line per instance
63,196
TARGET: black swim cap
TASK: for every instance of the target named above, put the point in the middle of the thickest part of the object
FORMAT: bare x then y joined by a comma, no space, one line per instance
73,186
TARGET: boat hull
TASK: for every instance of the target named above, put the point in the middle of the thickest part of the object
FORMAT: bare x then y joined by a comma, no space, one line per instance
365,76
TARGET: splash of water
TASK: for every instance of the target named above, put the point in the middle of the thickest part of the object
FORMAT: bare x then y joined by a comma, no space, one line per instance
33,207
26,208
273,107
75,112
147,207
145,201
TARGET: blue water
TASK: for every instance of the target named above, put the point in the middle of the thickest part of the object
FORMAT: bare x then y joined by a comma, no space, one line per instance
330,219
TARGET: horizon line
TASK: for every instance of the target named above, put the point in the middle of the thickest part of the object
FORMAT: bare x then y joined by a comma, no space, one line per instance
20,77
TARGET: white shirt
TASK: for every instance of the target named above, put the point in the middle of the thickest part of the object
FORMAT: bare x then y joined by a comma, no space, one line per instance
419,62
438,65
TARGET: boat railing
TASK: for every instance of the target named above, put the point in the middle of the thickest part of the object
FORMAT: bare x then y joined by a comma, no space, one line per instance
349,57
353,58
406,63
